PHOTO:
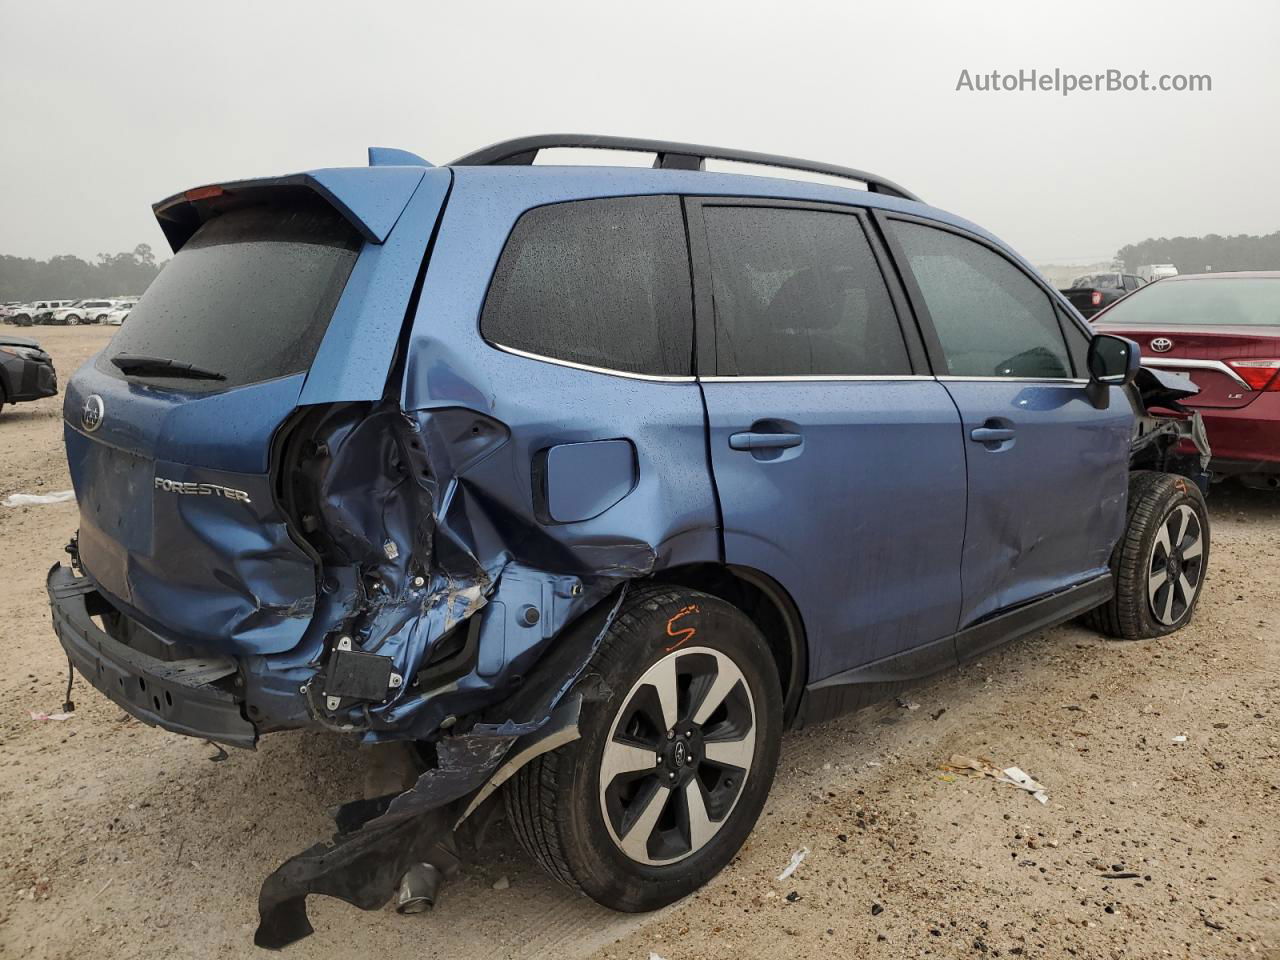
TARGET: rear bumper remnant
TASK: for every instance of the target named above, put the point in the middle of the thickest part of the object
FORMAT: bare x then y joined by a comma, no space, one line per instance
177,695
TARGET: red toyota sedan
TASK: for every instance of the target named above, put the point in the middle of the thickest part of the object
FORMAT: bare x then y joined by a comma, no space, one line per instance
1223,330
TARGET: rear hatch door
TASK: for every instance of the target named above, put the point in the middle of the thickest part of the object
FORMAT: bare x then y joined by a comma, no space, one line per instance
282,293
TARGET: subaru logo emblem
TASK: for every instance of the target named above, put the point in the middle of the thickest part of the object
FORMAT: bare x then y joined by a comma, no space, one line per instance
1161,344
91,415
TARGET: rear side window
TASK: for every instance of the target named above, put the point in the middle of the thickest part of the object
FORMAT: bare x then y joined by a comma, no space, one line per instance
604,283
249,296
991,318
799,293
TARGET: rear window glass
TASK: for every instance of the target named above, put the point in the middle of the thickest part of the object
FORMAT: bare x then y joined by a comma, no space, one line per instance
604,283
249,296
1098,281
1243,301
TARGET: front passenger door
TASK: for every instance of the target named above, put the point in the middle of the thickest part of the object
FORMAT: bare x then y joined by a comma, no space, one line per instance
1048,470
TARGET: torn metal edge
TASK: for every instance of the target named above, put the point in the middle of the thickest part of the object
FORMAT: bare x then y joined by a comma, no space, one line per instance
377,841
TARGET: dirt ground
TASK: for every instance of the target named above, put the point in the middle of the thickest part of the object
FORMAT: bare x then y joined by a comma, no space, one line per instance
118,840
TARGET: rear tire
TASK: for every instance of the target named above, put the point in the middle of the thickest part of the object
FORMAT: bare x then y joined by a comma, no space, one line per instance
73,320
674,764
1160,562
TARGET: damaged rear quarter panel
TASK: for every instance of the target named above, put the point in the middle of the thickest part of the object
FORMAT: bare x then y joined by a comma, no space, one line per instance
667,517
473,425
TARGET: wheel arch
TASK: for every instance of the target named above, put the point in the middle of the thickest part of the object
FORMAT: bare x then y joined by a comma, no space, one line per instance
768,605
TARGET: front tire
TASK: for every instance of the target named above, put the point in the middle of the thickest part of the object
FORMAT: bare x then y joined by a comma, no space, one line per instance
73,320
1160,562
674,764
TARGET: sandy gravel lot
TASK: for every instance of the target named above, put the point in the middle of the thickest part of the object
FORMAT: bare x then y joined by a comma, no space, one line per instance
117,840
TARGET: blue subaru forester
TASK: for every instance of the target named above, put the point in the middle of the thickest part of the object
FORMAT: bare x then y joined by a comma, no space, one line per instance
587,482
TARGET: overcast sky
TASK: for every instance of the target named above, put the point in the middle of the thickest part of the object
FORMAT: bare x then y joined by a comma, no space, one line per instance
107,107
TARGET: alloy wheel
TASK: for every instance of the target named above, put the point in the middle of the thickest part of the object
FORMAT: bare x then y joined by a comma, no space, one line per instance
677,756
1176,565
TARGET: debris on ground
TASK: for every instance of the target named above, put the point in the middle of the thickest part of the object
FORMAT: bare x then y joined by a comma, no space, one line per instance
906,704
1180,738
984,767
36,499
797,858
1020,778
502,883
41,715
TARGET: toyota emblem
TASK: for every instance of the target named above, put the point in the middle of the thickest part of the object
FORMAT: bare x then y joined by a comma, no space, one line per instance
1161,344
91,415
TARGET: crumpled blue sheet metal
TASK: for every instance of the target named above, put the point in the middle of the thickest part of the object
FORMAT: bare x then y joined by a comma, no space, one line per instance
377,840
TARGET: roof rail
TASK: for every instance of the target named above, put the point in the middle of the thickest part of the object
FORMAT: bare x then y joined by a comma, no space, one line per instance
670,156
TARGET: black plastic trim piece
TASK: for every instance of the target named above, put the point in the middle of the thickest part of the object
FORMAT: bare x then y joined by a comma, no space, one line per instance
872,682
176,695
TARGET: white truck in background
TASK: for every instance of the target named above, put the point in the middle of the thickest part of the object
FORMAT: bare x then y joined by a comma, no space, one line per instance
1155,271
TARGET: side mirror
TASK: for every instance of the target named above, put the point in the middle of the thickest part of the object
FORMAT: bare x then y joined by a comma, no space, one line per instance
1113,361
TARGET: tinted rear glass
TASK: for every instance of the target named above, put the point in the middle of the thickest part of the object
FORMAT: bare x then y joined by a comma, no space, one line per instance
1248,301
604,283
249,296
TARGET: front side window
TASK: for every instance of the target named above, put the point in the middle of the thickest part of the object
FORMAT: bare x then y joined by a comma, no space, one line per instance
992,320
799,293
604,283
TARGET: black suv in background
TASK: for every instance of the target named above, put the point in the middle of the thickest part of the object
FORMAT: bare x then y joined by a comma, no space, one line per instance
26,371
1092,292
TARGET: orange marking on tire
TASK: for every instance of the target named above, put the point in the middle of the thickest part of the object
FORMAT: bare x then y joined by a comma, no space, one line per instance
685,634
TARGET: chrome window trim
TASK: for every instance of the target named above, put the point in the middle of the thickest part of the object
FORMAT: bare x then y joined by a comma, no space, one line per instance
1173,363
816,378
1059,381
651,377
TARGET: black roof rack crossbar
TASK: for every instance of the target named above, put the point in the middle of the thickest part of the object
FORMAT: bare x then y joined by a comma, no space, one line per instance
670,156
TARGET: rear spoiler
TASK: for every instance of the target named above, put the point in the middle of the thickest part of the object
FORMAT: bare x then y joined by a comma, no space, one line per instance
370,198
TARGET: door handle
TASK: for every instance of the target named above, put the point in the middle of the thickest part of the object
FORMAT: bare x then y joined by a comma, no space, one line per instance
752,440
992,434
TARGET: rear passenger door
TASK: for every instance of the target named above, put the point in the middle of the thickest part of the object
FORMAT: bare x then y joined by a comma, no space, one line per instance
837,457
1048,470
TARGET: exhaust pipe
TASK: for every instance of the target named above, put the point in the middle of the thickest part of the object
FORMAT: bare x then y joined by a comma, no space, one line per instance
418,888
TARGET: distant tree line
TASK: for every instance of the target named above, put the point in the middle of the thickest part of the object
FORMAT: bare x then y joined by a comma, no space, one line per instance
1194,254
66,277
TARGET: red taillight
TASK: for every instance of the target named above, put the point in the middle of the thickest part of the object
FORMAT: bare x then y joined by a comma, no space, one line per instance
203,193
1095,298
1258,374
